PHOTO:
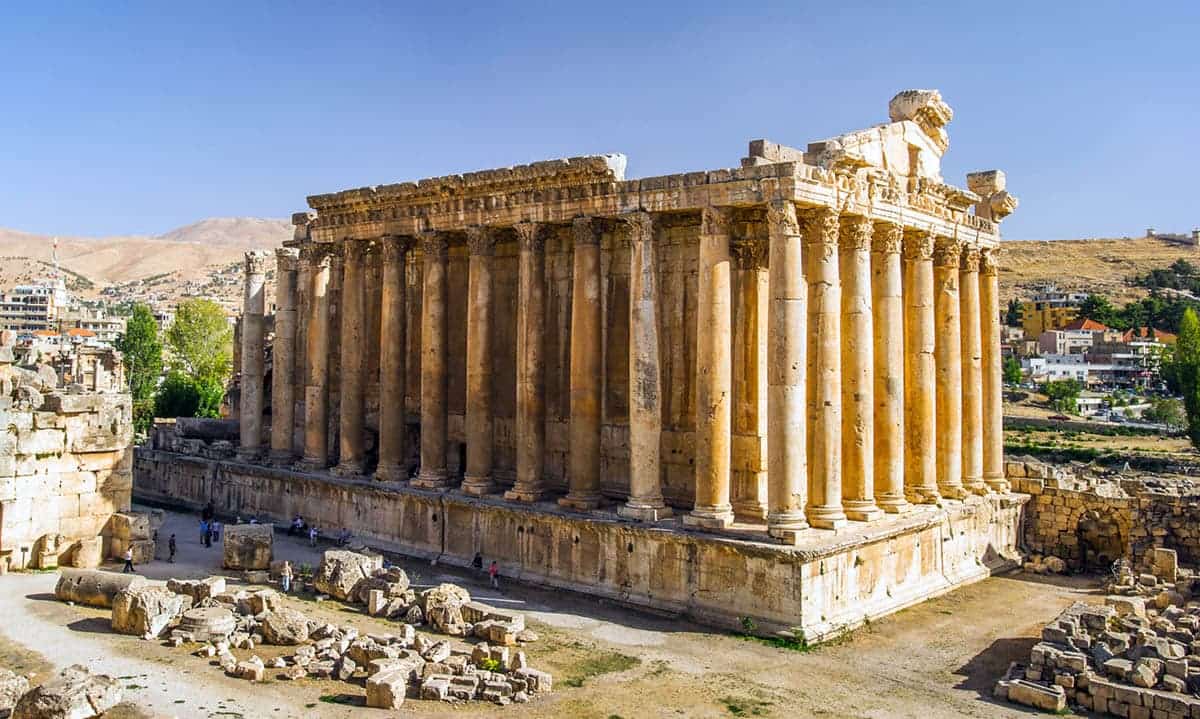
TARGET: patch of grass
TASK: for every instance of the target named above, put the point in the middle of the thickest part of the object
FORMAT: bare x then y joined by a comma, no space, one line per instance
599,663
790,644
742,707
489,664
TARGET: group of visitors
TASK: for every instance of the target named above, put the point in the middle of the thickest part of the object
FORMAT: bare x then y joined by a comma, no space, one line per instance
210,528
493,569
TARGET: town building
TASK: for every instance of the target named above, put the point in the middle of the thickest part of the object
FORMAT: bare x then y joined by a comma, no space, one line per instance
782,376
40,306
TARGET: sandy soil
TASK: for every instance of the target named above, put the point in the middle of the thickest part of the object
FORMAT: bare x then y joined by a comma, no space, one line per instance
935,660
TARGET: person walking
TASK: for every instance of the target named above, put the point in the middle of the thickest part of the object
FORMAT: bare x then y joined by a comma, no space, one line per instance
312,535
477,562
204,532
494,574
216,531
285,577
171,549
128,561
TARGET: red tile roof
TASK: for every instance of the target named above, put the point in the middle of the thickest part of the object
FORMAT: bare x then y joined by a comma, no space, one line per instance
1086,324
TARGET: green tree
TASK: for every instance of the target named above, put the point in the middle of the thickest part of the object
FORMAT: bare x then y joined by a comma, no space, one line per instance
1098,309
1186,371
179,396
1063,394
1012,370
201,341
1012,317
142,351
1166,410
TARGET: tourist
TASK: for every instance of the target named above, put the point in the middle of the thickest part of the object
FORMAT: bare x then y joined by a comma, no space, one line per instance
344,537
477,562
204,532
128,561
313,533
216,531
297,526
494,573
171,549
285,577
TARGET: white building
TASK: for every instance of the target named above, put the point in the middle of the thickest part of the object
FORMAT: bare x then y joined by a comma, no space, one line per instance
26,308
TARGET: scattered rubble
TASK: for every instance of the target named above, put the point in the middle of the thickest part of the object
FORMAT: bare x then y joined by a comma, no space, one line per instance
12,687
75,693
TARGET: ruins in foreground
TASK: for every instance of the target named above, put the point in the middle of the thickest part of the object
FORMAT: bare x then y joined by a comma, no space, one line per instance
783,377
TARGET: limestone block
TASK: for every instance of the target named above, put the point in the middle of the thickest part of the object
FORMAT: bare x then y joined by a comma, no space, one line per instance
12,687
285,626
536,680
130,525
341,571
147,610
443,607
198,589
1164,564
204,624
1051,699
248,546
386,689
265,600
435,687
93,587
143,549
40,442
88,553
75,693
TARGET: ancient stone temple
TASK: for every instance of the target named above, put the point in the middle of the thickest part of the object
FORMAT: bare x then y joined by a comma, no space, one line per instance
768,391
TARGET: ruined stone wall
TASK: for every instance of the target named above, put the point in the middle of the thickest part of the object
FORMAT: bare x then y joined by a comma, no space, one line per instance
65,467
1168,520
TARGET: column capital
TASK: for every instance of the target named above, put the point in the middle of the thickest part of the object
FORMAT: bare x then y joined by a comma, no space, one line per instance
639,226
781,218
969,261
989,261
394,247
287,259
354,250
256,262
316,254
434,244
854,233
820,226
947,252
586,230
918,245
749,254
887,239
481,240
714,221
530,236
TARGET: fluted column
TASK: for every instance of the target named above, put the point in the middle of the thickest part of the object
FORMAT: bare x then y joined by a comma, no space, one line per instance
316,388
888,328
393,362
531,382
283,356
920,466
993,412
583,469
972,373
481,243
787,364
824,369
645,391
751,338
351,406
947,254
714,375
433,474
253,307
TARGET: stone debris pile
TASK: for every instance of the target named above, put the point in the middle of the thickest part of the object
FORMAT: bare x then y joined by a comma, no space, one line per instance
394,665
75,693
1138,655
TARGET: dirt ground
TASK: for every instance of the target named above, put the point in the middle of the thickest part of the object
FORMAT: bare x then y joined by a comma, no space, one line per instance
938,659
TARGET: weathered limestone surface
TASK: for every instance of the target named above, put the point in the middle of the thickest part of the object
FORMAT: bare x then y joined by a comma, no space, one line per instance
248,546
94,587
75,693
147,610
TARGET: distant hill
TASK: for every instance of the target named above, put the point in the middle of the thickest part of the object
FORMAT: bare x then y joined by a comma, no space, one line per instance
189,252
1100,266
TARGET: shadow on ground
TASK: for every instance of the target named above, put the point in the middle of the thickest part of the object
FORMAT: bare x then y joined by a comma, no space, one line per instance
92,625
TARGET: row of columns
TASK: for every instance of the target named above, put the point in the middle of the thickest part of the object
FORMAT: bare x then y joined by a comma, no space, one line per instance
883,367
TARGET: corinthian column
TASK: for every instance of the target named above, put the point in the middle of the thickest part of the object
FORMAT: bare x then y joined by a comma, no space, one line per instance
824,370
316,389
993,413
352,406
972,374
714,376
433,474
888,307
283,357
947,255
393,369
481,243
586,355
858,389
645,392
920,467
531,385
254,305
787,463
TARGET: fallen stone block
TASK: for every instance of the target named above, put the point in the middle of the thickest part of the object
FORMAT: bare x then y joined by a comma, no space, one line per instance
75,693
130,525
248,546
12,687
1051,698
386,689
93,587
88,553
1126,605
537,681
147,610
198,589
142,549
1164,564
341,571
265,600
206,624
442,606
252,669
436,688
285,626
437,652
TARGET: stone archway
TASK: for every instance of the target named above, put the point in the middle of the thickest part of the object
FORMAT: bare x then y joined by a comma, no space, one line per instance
1102,540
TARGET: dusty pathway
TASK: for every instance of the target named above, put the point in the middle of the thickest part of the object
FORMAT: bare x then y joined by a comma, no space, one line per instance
935,660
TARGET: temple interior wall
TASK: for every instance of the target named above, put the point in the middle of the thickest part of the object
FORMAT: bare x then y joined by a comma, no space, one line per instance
825,586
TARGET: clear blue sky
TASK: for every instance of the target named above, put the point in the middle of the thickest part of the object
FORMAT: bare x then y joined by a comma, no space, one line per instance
136,118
